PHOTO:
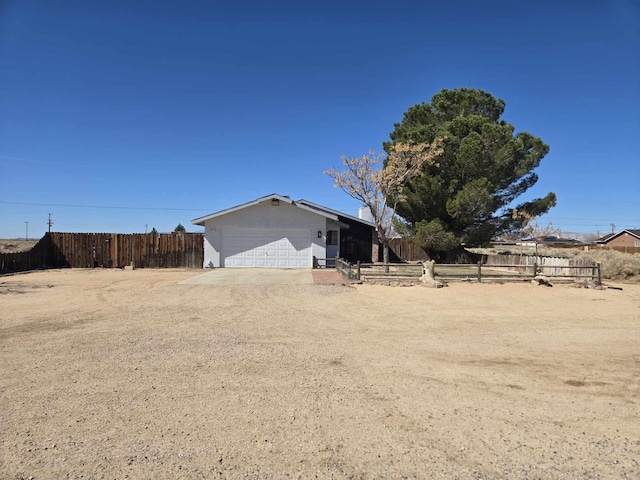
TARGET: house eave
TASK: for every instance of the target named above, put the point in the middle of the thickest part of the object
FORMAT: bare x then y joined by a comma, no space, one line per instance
335,212
274,196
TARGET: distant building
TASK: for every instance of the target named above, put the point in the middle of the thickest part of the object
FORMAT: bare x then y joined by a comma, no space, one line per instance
550,241
625,238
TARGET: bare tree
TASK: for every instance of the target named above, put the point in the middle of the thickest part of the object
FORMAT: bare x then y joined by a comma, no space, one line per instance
531,228
380,187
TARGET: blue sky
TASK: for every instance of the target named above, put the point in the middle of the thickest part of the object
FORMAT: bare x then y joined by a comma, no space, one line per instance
167,111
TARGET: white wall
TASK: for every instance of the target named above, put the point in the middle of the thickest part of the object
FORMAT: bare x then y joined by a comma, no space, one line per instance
365,214
264,215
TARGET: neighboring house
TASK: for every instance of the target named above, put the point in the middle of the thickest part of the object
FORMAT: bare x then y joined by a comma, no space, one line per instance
625,238
277,232
602,240
550,241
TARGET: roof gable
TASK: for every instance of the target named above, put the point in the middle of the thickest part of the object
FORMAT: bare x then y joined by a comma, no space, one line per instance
605,238
274,196
611,236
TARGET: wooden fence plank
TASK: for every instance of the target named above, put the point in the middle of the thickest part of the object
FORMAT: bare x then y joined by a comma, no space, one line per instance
109,250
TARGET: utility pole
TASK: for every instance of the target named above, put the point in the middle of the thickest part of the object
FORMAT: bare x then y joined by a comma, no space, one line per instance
145,228
50,222
613,227
26,235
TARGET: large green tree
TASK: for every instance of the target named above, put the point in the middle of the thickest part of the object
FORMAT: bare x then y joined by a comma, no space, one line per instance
467,195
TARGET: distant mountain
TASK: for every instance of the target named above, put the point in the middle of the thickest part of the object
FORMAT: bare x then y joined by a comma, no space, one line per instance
581,236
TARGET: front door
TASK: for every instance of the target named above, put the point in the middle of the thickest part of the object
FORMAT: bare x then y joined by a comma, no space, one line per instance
333,247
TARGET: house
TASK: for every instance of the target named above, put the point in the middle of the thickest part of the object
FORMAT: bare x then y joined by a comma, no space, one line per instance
277,232
550,241
625,238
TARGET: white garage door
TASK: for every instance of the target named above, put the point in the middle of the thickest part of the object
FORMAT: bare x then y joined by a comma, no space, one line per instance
274,248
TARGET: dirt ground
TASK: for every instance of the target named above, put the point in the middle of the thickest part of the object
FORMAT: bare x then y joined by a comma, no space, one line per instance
126,374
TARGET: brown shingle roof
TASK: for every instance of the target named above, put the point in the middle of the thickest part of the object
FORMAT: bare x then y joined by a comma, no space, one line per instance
611,236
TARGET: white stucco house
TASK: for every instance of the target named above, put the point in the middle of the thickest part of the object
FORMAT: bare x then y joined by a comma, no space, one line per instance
277,232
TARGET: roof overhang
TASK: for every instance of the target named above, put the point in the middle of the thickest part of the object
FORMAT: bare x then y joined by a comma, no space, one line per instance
335,212
273,197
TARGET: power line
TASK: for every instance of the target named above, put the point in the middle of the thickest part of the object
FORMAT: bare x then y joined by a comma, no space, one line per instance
103,206
573,222
588,219
591,224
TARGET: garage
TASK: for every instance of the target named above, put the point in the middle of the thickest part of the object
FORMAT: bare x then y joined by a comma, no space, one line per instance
272,248
277,232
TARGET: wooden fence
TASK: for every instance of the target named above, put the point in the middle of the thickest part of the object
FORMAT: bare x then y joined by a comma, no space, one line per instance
347,269
471,272
38,257
109,250
594,247
548,266
405,251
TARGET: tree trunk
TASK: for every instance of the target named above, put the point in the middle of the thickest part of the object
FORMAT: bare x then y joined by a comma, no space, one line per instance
428,276
385,256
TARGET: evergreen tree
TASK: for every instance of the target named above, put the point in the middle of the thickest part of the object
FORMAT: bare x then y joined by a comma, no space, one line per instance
466,195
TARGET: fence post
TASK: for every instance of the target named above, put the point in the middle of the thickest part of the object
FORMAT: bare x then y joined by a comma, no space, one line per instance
358,271
599,265
479,271
535,269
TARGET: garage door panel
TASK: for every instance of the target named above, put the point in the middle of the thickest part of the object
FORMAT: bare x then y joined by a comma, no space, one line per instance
275,248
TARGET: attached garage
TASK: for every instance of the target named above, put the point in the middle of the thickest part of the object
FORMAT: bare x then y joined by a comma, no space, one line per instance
275,248
274,232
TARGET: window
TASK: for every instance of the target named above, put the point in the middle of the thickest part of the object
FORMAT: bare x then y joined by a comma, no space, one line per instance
332,237
637,243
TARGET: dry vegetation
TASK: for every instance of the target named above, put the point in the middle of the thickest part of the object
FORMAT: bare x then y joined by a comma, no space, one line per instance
128,374
616,265
16,245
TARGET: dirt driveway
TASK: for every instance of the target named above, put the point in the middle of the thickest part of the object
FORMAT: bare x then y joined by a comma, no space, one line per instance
252,276
265,276
130,374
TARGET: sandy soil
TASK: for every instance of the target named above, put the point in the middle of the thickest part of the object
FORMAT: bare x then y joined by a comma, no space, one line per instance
126,374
